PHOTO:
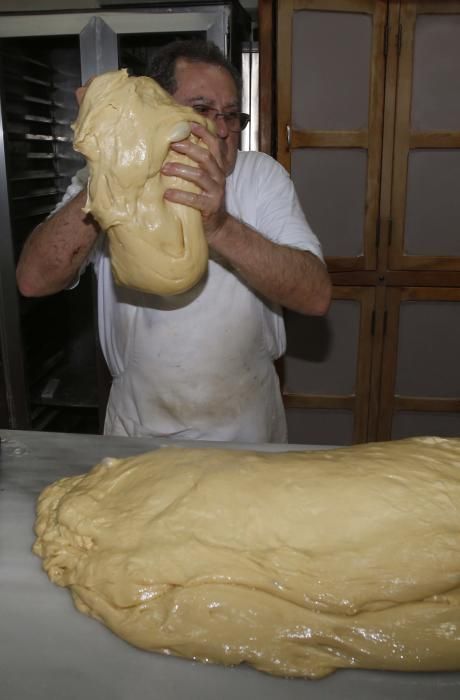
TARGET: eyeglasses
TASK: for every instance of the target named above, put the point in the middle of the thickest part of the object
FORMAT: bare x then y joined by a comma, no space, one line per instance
235,121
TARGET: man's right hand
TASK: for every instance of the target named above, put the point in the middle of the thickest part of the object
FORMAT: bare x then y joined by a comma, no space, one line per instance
80,92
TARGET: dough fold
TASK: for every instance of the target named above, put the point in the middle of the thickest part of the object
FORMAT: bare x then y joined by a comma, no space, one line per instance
297,563
124,128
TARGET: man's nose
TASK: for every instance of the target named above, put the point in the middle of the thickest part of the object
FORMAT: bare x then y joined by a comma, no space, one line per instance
222,129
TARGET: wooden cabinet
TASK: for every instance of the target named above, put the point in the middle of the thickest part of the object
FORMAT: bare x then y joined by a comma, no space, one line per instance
366,119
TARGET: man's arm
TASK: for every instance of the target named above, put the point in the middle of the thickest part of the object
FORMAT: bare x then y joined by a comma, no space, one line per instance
56,249
293,278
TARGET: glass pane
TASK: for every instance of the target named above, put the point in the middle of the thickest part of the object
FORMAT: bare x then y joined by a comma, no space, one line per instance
307,426
433,203
416,423
435,101
331,185
429,349
321,352
330,78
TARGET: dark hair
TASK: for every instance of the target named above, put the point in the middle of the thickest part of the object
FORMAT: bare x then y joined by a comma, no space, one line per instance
162,65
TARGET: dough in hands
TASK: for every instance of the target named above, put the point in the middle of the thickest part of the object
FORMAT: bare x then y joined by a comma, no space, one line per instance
297,563
124,129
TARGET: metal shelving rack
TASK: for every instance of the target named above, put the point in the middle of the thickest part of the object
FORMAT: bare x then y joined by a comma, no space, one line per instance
53,376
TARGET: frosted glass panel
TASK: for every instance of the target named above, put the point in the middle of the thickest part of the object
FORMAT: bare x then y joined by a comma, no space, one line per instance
433,203
435,97
416,423
429,349
307,426
331,185
321,352
330,79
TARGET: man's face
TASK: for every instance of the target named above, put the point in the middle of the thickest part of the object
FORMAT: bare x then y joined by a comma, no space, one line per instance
211,86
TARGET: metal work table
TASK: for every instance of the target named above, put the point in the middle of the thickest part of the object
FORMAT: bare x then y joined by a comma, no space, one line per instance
50,651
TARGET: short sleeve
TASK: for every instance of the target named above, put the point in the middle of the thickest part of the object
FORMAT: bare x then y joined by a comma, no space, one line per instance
77,184
267,200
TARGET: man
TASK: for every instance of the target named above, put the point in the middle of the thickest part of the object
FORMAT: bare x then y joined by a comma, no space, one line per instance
198,365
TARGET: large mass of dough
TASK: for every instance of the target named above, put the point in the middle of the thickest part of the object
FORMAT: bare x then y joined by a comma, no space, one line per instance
298,563
125,127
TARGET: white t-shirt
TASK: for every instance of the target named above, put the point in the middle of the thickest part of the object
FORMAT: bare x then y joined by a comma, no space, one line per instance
200,365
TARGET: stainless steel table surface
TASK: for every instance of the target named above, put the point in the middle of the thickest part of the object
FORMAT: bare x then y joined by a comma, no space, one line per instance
50,651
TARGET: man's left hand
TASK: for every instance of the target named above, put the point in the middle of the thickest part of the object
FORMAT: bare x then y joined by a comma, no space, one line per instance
208,175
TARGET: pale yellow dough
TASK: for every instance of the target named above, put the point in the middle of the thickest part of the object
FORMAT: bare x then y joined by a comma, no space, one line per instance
125,127
298,563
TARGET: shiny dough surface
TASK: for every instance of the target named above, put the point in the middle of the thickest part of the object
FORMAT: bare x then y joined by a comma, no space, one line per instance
297,563
124,128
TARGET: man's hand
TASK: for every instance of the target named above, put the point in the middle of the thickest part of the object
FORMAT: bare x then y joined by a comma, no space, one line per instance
293,278
80,92
208,175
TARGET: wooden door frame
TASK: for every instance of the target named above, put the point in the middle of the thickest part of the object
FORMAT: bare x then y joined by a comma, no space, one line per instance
406,140
267,53
369,139
358,402
389,401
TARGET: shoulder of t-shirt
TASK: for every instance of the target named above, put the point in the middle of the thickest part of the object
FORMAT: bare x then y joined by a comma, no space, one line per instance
266,186
257,163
